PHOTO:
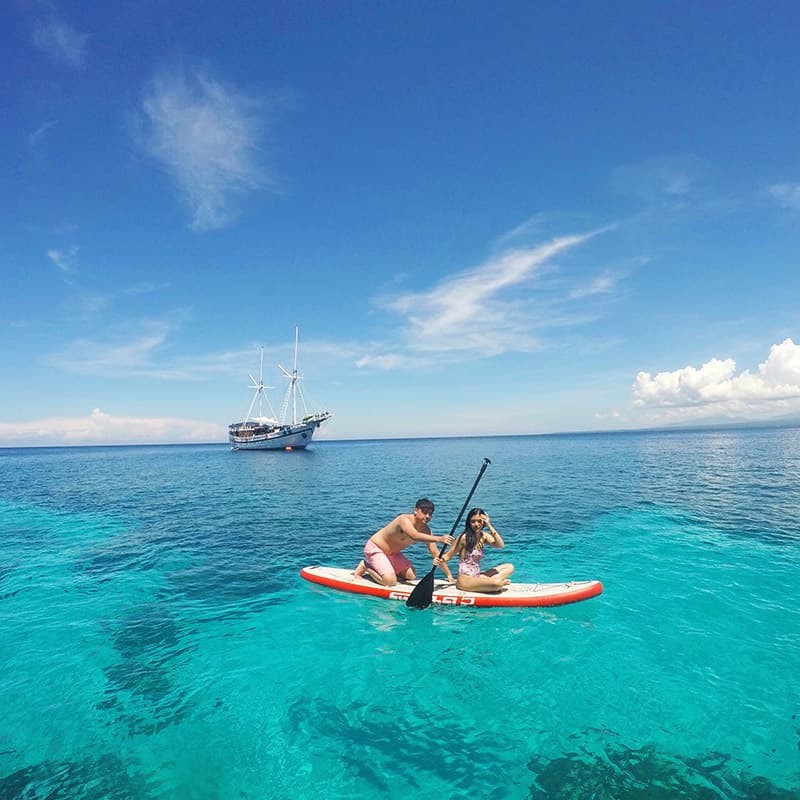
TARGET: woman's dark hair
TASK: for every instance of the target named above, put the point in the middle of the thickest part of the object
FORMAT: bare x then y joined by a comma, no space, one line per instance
470,537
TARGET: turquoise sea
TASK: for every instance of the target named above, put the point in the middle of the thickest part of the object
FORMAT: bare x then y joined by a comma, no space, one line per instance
158,642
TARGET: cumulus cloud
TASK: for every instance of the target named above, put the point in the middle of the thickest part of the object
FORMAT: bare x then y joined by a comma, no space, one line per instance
60,42
206,135
100,427
716,387
475,312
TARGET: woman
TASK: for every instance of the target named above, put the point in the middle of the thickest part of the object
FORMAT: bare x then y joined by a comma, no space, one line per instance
469,546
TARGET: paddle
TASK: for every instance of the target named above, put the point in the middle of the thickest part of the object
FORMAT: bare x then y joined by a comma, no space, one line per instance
422,594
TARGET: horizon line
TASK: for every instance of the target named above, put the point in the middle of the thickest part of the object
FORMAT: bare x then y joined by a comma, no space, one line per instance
753,425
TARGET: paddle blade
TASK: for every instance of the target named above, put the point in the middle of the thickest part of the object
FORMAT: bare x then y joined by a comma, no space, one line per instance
422,594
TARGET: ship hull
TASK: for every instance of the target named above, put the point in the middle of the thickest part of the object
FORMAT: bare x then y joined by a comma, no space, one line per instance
295,437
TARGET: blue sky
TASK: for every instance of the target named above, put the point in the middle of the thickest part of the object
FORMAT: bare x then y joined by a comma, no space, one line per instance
485,218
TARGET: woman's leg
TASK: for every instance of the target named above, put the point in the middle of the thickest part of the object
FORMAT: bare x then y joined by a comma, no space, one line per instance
503,570
481,583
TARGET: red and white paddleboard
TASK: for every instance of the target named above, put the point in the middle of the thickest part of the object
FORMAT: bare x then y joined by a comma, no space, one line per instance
515,594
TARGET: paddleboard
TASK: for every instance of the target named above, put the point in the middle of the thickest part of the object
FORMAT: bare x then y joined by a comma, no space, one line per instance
515,594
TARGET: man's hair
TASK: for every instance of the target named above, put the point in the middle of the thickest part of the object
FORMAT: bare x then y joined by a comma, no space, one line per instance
423,504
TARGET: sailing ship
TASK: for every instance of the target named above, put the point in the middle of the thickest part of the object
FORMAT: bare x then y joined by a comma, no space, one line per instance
272,432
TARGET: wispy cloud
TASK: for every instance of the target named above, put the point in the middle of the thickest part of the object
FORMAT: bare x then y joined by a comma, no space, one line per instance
605,283
99,427
670,179
35,138
392,361
64,259
85,356
787,195
147,287
58,40
477,312
145,349
206,135
715,388
87,304
532,226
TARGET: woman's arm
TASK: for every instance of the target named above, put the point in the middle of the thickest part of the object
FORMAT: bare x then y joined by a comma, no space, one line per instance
493,538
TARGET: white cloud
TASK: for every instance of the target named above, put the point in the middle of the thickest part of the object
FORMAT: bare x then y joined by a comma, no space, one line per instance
147,287
716,389
87,306
475,312
35,138
88,357
614,414
604,283
143,349
102,428
206,135
532,226
787,195
782,367
60,41
671,178
392,361
64,259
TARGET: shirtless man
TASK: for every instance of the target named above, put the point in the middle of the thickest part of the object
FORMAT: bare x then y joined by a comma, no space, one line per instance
383,561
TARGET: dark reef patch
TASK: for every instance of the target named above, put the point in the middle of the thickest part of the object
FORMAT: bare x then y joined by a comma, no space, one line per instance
104,778
621,773
141,688
119,554
228,589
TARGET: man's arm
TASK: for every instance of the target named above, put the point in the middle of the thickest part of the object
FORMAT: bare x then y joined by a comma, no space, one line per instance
434,551
407,526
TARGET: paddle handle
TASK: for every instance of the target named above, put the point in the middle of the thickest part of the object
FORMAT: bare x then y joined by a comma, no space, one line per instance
486,463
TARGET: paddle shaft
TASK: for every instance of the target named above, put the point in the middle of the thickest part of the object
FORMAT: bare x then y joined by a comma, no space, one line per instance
485,464
422,593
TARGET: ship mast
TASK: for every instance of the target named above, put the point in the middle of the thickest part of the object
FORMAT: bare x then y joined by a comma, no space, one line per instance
260,394
291,392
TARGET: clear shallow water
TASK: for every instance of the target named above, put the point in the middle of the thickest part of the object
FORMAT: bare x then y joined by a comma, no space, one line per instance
157,641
